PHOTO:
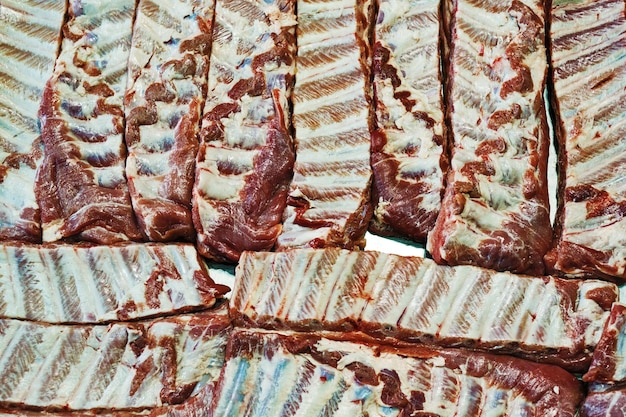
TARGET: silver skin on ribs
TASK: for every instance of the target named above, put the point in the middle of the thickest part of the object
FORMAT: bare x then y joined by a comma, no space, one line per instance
588,39
291,374
329,196
413,299
120,366
167,72
246,155
65,283
81,187
408,148
495,211
30,35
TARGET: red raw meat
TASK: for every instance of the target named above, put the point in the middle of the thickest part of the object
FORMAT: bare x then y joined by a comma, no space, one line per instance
329,196
285,374
168,66
65,283
30,34
609,359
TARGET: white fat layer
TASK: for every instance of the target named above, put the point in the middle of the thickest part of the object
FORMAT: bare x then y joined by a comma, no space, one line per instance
16,194
219,187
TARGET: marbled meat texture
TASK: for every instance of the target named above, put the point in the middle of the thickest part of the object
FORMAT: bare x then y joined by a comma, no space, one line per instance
609,357
81,187
589,78
308,375
329,196
408,147
30,35
604,400
546,319
246,155
121,366
82,284
495,212
168,66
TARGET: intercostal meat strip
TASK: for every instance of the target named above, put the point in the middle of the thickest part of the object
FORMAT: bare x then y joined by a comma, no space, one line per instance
542,318
136,365
328,203
495,211
290,374
168,66
588,39
92,284
81,188
30,34
246,152
408,148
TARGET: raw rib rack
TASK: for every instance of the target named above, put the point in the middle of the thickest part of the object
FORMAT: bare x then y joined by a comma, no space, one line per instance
219,208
